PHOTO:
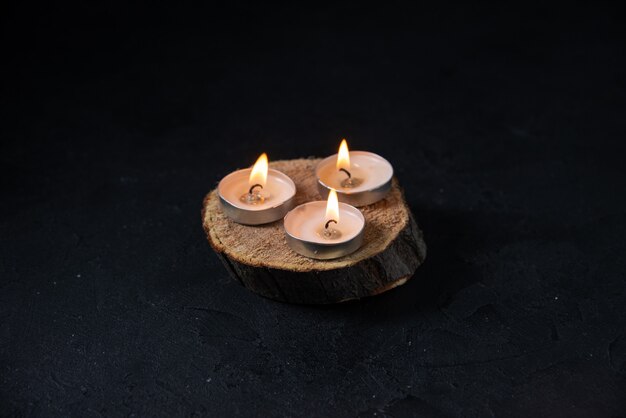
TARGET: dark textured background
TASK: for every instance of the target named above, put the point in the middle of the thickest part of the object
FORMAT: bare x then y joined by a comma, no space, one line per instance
506,127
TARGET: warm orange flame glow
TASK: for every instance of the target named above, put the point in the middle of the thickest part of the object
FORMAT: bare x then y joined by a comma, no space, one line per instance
332,207
258,175
343,157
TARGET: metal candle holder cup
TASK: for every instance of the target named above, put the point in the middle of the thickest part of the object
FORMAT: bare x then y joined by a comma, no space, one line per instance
303,223
279,186
376,174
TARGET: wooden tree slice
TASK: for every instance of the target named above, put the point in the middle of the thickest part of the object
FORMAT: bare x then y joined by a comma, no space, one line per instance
259,258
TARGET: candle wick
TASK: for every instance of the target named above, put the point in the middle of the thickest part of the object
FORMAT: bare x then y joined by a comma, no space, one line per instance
347,172
253,186
327,223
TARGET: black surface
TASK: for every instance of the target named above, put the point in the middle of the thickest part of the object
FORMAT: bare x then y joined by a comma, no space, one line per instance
506,128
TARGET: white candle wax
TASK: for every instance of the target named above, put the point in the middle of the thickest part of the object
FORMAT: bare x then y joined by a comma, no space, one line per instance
368,169
278,189
306,223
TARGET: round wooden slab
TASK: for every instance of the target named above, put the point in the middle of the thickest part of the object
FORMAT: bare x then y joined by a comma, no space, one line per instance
259,258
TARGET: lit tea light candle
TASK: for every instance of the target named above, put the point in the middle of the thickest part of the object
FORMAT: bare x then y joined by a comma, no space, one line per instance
256,195
324,230
360,178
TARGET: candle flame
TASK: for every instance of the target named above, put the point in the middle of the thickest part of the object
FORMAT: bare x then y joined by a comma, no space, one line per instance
258,175
332,207
343,157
